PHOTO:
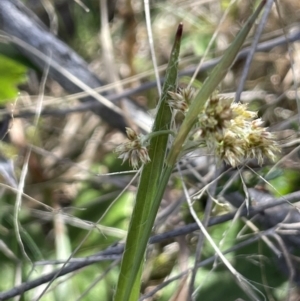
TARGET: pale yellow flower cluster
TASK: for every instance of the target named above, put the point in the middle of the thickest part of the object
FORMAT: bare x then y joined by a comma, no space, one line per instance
233,134
133,150
228,129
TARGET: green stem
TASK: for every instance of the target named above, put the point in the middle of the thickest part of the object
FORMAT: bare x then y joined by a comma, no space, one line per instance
141,221
151,135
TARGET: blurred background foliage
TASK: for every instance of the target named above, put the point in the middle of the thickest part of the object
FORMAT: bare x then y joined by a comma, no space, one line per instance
71,154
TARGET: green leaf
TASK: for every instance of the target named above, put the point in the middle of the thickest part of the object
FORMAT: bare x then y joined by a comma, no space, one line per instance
146,205
11,75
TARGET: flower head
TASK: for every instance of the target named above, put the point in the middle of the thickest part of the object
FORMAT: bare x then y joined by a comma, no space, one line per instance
216,115
134,151
231,132
182,99
260,143
231,149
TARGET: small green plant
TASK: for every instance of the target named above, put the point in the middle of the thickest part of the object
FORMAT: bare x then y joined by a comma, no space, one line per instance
227,129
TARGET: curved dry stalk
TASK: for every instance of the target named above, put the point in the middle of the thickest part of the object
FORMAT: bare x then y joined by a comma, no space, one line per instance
26,162
201,237
245,285
214,36
261,26
151,44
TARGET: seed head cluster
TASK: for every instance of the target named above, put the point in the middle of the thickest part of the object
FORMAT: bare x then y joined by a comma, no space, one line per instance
229,130
181,100
134,150
233,134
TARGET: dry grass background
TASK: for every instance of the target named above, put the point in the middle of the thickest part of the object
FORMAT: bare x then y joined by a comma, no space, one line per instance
72,167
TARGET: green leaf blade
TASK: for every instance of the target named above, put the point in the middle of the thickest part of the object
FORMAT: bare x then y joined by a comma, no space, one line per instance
143,214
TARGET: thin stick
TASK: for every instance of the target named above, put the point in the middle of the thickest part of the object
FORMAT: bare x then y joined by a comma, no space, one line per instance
151,45
253,47
26,161
201,237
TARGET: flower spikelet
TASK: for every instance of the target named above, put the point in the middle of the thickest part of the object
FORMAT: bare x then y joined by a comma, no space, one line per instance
133,150
233,134
216,115
182,99
260,143
231,149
